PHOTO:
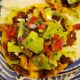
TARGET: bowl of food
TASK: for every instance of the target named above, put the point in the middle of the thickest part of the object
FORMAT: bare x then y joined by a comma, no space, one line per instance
41,40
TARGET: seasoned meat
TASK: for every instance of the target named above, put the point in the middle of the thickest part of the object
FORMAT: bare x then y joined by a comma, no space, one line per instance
63,24
12,56
57,18
64,3
5,47
41,16
76,4
43,73
20,70
15,19
71,38
21,14
64,60
31,9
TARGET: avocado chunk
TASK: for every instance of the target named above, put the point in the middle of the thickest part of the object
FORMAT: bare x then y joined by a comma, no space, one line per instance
53,28
49,13
42,62
54,58
34,42
13,48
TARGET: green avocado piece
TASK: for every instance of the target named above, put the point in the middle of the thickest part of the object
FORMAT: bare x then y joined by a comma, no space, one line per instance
53,28
55,57
21,28
53,62
34,42
13,48
49,13
42,62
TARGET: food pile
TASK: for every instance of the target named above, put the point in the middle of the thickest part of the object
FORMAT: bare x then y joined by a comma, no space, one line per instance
39,41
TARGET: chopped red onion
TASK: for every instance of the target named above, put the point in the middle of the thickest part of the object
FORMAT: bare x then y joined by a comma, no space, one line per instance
21,39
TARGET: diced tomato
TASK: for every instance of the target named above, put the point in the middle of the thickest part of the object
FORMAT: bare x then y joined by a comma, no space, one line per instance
33,19
8,28
56,46
10,32
47,49
60,43
55,37
42,27
76,26
27,24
